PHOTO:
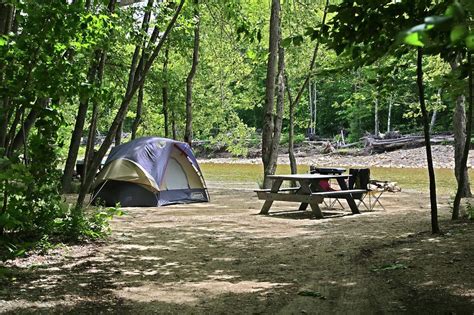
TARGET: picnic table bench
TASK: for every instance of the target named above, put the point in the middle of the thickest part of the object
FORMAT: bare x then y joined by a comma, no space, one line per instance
309,192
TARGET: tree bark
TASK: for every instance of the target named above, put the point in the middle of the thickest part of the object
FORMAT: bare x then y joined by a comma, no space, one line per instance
81,116
188,133
138,117
27,124
313,60
459,130
291,132
7,12
91,139
467,145
376,118
164,91
121,113
426,130
269,163
173,125
77,134
389,119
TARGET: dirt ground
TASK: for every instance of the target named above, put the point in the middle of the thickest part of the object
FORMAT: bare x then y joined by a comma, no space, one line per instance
223,258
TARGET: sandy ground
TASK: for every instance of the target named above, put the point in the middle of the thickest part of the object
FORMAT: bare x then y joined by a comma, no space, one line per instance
223,258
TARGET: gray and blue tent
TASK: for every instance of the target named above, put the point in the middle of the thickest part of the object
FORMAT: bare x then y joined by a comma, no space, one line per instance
150,172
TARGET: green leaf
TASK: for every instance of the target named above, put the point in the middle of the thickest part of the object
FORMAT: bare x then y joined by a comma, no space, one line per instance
3,41
414,39
458,32
287,42
297,40
470,42
456,11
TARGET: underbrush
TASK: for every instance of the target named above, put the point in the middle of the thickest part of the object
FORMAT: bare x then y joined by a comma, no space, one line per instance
33,214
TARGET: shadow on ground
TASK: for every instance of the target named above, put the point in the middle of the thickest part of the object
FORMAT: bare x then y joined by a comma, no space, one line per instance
223,258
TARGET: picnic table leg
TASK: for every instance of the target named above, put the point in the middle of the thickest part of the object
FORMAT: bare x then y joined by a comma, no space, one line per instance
349,199
317,211
303,206
268,203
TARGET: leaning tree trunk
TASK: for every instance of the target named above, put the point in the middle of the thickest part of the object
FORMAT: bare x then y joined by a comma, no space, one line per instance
188,133
426,130
313,59
164,91
77,134
467,145
91,139
121,113
268,156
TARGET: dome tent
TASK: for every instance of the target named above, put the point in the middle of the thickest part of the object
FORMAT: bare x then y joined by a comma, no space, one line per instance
150,172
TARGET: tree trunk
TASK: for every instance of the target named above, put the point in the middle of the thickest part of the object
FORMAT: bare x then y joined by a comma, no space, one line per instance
188,133
165,92
269,165
93,124
121,113
291,132
376,118
459,125
467,145
389,119
7,12
27,124
280,101
426,130
76,138
433,120
459,130
78,131
313,60
138,117
173,125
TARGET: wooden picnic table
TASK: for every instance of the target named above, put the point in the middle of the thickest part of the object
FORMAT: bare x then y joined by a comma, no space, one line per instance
309,192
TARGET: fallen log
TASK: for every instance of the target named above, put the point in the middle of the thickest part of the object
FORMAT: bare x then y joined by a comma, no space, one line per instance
373,145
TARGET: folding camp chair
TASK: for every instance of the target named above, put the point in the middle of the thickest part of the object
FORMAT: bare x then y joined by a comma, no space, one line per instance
360,179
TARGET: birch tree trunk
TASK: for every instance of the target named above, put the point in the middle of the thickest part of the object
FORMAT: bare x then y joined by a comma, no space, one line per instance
389,119
188,133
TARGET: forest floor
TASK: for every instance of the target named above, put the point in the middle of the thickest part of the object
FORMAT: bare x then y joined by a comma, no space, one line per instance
223,258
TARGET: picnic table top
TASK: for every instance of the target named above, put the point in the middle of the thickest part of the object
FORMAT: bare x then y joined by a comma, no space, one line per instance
328,170
306,176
